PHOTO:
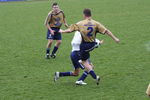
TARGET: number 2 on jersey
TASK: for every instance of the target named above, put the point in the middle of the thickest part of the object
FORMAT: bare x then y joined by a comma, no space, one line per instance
90,32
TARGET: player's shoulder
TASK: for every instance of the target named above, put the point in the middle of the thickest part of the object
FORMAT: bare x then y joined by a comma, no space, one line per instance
96,22
50,13
77,33
61,11
80,22
99,23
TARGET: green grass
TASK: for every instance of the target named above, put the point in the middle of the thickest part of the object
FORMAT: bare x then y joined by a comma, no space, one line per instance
124,68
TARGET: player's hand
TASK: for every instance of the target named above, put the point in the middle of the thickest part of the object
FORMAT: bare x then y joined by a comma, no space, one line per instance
117,40
52,32
61,31
101,41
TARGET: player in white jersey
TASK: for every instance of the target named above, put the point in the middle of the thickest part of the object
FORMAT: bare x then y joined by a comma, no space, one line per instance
76,41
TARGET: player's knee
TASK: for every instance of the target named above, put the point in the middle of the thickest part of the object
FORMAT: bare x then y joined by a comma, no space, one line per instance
88,67
59,42
50,42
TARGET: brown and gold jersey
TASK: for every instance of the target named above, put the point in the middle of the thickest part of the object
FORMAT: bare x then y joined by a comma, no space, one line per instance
88,29
55,19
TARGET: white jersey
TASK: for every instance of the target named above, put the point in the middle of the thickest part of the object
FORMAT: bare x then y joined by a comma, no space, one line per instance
76,41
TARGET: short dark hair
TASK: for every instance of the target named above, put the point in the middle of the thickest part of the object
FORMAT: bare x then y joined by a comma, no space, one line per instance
54,4
87,12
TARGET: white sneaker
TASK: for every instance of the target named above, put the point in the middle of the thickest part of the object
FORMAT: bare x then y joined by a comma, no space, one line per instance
97,80
80,83
56,76
53,56
47,56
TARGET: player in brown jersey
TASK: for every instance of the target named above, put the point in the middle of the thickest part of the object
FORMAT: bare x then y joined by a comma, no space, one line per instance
88,29
53,22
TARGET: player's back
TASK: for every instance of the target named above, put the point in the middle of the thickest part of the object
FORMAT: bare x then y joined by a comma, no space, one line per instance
89,28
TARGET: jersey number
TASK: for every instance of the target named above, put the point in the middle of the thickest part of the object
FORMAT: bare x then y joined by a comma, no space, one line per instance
89,34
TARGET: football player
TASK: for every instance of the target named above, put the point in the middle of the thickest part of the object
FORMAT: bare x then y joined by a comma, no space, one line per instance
75,57
53,22
88,29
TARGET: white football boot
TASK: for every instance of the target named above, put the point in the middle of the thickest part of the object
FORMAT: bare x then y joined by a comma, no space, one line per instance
56,76
80,83
97,80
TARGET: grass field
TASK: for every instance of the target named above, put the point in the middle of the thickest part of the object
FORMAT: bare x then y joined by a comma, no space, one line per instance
124,68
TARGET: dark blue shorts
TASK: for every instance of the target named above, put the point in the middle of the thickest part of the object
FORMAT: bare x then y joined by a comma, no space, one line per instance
75,57
85,48
56,36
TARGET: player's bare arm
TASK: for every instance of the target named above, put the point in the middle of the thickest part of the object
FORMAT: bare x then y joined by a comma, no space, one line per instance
109,33
72,28
52,32
65,31
47,24
148,91
65,23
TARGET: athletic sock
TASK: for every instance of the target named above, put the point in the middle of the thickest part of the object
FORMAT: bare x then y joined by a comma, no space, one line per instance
54,50
84,75
65,74
47,50
92,73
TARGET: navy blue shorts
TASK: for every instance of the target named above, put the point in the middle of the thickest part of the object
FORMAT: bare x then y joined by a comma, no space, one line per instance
85,48
56,36
75,57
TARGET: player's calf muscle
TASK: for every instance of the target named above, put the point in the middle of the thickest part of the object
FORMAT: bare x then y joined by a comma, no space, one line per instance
76,72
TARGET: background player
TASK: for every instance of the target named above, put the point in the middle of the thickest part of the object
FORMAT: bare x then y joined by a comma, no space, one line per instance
53,23
88,29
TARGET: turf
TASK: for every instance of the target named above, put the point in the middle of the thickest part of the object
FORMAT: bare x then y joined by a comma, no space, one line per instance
124,68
